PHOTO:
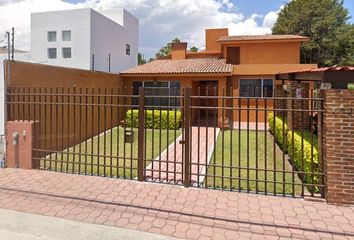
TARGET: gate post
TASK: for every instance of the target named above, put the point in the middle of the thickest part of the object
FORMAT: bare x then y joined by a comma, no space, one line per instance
141,134
339,146
187,136
19,145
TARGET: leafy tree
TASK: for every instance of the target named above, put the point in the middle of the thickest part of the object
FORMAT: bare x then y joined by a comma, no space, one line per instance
193,49
141,59
166,50
326,23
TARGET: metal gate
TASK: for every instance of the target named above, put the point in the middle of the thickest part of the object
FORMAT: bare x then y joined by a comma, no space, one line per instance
269,145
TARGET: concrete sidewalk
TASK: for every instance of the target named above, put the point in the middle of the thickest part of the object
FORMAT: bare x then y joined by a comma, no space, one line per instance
24,226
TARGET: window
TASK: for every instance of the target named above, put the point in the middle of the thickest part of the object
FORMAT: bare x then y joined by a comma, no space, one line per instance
233,55
66,35
52,36
127,49
256,87
66,52
168,88
52,53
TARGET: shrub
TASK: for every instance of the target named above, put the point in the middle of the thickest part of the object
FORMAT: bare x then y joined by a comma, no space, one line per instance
305,163
350,86
293,146
278,132
155,119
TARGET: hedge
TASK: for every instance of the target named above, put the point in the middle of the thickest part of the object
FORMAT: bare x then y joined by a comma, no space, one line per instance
308,164
279,130
162,119
294,146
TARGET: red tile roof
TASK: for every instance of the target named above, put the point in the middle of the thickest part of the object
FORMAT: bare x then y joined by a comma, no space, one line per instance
324,69
261,38
185,66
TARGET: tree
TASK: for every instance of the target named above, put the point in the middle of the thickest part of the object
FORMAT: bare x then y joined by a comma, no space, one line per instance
166,50
141,59
325,22
193,49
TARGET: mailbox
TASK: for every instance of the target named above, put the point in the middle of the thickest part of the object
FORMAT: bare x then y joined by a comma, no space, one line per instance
129,136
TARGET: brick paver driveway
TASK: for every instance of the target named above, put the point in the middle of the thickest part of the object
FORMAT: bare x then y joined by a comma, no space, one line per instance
171,210
168,166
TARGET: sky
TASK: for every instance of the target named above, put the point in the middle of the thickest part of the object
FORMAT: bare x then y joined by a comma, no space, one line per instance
160,20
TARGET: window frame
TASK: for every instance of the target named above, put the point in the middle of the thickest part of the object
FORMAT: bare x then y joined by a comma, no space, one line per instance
62,35
127,49
62,52
262,86
56,53
48,34
173,103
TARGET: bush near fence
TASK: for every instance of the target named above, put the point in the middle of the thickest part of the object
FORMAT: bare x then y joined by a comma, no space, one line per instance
155,119
305,158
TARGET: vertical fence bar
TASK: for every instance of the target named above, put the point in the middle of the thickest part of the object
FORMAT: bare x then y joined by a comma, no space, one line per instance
141,137
187,137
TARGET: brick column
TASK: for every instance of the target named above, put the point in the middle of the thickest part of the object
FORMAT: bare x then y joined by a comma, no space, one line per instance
298,120
279,104
19,155
339,145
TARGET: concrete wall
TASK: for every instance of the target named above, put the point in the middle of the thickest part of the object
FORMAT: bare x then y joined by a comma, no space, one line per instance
78,21
61,123
25,74
107,37
91,33
268,52
211,39
19,56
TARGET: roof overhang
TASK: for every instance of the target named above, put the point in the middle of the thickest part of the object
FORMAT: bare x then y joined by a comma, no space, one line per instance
173,75
303,76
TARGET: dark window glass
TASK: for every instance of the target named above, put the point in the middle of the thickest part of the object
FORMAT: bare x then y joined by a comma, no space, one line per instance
267,88
256,88
157,89
250,87
127,49
52,53
66,52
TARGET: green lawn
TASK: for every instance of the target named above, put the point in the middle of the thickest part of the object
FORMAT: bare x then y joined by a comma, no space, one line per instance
265,161
120,165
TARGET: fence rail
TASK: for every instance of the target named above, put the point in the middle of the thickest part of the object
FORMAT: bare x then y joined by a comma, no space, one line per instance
269,145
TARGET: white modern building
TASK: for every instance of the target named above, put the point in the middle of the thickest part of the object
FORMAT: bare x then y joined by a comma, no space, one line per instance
86,39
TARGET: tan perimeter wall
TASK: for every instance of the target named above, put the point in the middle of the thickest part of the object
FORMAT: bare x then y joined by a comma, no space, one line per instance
46,94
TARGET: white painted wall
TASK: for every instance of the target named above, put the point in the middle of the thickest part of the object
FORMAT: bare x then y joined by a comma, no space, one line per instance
107,37
78,21
91,33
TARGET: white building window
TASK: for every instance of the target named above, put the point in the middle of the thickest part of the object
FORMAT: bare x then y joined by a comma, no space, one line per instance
127,49
52,36
52,53
66,35
66,52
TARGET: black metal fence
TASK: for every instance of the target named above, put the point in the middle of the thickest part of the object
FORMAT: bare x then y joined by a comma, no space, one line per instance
269,145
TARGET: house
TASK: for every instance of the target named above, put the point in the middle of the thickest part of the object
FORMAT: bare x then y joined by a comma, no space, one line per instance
85,39
242,66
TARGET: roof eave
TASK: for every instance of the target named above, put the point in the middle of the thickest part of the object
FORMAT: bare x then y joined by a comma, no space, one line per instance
216,74
262,41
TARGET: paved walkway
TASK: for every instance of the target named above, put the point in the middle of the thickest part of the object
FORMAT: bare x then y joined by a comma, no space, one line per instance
171,210
25,226
168,166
